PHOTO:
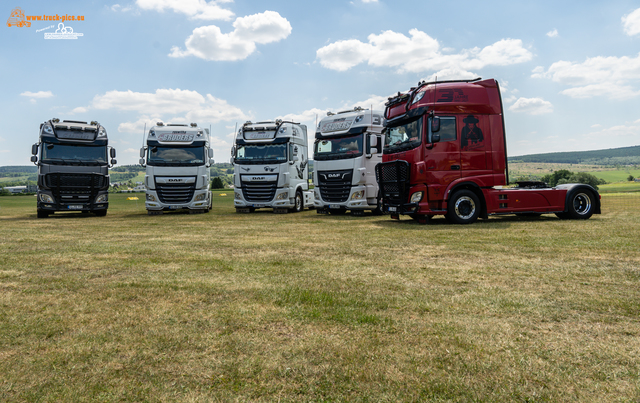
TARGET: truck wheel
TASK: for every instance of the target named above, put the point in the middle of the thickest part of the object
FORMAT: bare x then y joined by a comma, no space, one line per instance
101,213
299,202
580,205
463,207
43,214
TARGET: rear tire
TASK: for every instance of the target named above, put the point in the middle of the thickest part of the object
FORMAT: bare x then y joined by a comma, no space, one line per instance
580,204
463,207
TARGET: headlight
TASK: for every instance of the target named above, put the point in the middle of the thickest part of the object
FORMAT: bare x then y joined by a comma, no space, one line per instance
236,195
46,198
102,199
151,197
357,195
418,97
282,196
416,197
47,129
201,196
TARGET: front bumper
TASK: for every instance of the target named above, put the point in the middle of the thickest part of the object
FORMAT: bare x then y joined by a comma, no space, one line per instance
71,202
283,199
153,202
352,203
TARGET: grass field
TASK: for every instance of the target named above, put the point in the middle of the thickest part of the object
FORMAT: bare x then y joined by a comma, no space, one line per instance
307,307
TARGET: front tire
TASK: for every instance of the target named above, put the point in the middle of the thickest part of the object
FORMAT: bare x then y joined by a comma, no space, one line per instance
299,202
463,207
101,213
43,214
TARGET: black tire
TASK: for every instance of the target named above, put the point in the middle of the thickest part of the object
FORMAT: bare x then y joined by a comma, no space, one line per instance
101,213
298,202
463,207
43,214
580,204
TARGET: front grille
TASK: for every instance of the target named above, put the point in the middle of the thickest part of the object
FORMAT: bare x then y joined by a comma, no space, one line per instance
335,186
259,191
175,193
393,181
79,182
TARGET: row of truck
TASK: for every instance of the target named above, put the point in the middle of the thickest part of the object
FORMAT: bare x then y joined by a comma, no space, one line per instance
437,149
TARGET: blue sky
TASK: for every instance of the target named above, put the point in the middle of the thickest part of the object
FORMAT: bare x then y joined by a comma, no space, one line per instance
569,71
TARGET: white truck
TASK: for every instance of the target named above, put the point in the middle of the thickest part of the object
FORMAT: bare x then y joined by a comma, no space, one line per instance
347,148
271,167
178,158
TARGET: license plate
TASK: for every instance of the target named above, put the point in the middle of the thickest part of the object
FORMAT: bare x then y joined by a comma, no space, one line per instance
257,205
75,206
334,206
393,209
174,207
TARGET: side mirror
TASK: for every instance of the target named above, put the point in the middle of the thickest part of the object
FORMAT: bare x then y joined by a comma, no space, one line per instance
112,152
294,160
34,149
34,159
142,150
113,161
141,161
231,161
435,138
435,124
211,154
233,151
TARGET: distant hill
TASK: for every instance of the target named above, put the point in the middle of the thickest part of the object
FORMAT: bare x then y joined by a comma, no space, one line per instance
19,169
611,156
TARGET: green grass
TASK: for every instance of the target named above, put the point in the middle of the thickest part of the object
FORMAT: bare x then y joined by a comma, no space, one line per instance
307,307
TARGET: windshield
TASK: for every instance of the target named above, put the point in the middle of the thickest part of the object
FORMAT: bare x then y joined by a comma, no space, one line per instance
72,154
404,137
159,155
261,153
338,147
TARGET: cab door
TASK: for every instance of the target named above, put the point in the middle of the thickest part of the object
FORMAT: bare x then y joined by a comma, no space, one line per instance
442,158
475,147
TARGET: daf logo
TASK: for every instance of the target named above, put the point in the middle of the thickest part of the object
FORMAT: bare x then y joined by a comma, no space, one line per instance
175,180
333,175
258,178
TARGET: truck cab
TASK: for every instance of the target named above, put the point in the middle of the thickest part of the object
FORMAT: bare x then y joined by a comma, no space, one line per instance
271,167
73,167
178,157
347,148
445,153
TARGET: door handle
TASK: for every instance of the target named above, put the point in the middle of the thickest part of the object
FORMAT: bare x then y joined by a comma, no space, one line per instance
455,167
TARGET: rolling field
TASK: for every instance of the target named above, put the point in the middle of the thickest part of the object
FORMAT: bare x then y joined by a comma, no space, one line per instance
307,307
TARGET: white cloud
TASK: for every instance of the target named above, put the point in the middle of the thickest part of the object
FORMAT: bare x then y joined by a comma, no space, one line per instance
418,53
612,77
532,106
553,34
79,109
369,1
196,9
631,23
118,8
37,95
451,74
175,105
210,43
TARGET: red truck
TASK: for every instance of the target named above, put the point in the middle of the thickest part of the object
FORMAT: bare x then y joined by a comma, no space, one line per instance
445,154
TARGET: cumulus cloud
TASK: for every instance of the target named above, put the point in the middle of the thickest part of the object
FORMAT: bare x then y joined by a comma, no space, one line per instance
418,53
611,77
176,105
631,23
552,34
532,106
210,43
196,9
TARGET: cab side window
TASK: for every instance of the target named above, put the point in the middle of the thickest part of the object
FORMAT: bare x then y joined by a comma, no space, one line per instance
447,129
